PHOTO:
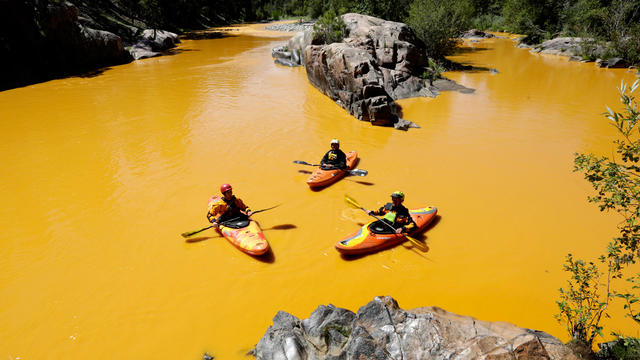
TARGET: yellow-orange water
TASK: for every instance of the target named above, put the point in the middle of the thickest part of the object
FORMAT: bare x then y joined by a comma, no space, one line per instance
102,174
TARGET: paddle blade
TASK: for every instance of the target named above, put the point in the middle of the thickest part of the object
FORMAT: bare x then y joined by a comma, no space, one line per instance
351,202
191,233
304,163
358,172
417,243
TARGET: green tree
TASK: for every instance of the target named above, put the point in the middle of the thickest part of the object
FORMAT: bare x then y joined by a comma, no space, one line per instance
438,23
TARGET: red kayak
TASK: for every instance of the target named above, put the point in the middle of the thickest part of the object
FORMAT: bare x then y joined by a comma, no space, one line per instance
375,236
321,178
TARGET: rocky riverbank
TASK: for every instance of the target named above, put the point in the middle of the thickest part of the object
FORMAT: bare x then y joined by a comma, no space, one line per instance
381,330
577,49
38,43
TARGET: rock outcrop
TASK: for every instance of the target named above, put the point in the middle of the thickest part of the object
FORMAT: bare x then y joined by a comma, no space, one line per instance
152,42
377,63
380,330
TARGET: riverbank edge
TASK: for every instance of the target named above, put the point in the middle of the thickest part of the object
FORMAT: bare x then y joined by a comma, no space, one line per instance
380,330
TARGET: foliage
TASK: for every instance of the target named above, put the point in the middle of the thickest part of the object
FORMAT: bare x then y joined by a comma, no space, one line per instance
617,185
438,23
580,305
617,181
631,298
488,22
538,19
330,28
623,348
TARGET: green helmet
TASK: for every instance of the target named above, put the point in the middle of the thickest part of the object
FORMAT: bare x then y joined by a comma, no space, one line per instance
398,194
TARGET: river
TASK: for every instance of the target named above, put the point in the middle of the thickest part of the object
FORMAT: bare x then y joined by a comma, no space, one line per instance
103,173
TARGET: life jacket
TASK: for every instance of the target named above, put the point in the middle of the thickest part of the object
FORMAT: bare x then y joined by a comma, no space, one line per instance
391,215
219,205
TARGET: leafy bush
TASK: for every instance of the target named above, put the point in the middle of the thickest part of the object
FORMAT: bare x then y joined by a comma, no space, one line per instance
330,28
438,23
580,305
623,348
618,189
488,22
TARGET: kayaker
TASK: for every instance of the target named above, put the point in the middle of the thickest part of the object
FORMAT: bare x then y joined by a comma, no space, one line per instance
396,214
334,158
227,207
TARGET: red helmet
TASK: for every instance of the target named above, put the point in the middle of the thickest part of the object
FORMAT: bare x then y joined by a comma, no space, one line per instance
224,188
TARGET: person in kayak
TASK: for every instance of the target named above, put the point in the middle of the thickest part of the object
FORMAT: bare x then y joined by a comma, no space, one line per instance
226,207
334,158
396,214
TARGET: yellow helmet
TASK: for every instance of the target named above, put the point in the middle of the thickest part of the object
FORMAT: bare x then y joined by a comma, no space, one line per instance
398,194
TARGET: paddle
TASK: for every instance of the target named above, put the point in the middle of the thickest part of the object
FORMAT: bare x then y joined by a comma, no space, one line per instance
357,172
191,233
352,202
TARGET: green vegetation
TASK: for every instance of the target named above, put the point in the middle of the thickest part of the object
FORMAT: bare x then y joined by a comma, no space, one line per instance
616,181
437,23
329,29
612,26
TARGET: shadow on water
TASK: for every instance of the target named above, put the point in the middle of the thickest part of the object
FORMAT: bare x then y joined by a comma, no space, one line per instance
206,35
201,238
281,227
90,73
268,257
468,50
361,182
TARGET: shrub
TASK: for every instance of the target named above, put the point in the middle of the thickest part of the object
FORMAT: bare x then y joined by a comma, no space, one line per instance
330,28
581,307
438,23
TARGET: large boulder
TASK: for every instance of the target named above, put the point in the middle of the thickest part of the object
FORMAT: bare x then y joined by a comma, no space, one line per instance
381,330
152,43
350,76
377,63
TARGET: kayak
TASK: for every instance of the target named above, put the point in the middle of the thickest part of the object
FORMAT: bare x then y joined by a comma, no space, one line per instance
246,235
321,178
375,236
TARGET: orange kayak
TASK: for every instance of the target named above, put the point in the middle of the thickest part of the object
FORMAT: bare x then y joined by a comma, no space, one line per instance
321,178
375,236
246,235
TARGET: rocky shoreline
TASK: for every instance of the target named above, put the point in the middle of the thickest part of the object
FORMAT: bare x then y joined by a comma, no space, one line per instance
381,330
292,27
61,40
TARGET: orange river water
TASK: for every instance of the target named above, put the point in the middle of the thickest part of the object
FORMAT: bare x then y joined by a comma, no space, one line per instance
103,173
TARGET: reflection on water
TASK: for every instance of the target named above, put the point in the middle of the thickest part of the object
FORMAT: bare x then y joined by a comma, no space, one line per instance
103,174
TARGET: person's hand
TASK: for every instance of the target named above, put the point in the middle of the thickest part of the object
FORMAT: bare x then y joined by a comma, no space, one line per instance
399,231
249,213
214,225
369,212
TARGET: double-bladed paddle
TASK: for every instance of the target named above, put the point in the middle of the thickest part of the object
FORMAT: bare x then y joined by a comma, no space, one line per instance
353,203
356,172
191,233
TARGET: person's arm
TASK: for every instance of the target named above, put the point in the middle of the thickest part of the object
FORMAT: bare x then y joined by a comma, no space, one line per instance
342,160
211,216
325,158
243,207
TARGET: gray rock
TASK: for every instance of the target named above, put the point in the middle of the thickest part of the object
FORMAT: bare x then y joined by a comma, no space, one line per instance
617,63
476,34
152,43
381,330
